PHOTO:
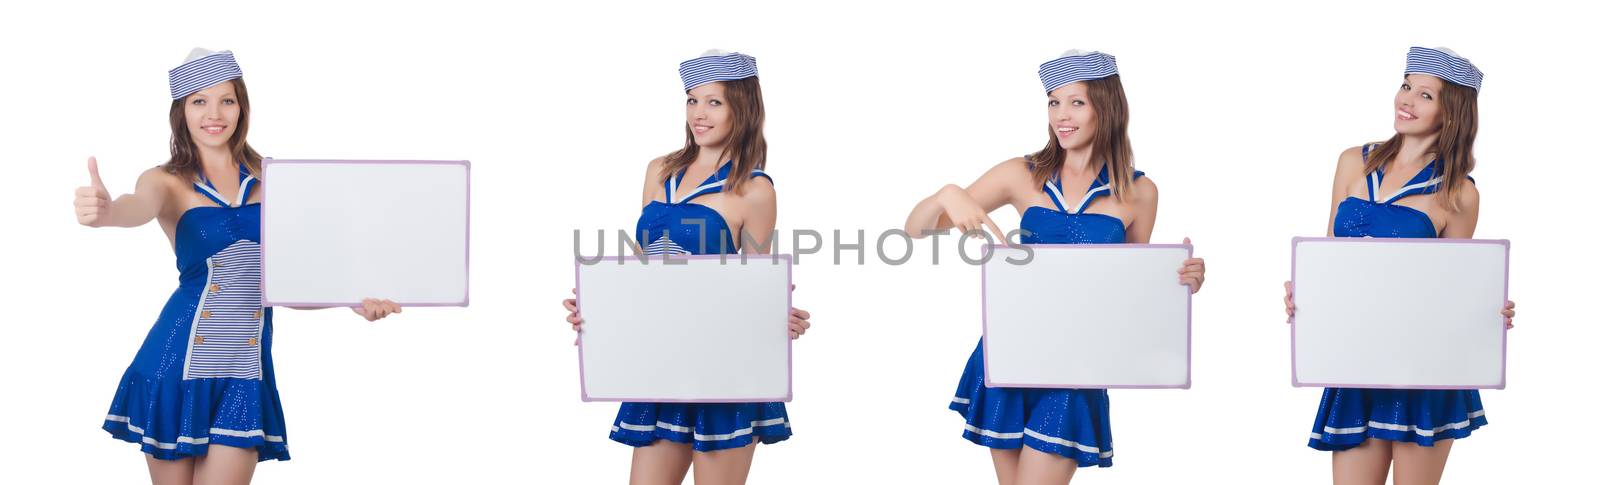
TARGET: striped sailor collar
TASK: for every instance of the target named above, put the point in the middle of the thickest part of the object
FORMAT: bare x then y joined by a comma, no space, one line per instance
712,184
1100,186
210,191
1424,182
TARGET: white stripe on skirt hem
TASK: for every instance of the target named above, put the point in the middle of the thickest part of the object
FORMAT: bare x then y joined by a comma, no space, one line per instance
188,440
1426,433
697,436
1041,437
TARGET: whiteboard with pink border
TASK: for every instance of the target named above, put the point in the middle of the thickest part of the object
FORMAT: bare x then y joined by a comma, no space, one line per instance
334,232
1087,316
1399,313
704,328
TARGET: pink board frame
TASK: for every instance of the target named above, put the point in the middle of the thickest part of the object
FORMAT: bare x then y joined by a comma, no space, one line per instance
1188,325
1294,375
788,261
467,256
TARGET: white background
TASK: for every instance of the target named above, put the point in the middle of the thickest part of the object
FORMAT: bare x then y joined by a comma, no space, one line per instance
1238,114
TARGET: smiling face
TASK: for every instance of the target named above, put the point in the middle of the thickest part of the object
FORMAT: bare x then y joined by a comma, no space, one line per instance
708,115
1072,116
212,115
1416,105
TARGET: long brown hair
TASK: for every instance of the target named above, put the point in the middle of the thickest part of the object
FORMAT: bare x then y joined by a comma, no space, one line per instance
1458,106
185,161
746,144
1110,141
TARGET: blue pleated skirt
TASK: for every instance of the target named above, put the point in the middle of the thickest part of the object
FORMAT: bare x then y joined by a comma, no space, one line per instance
172,418
709,427
1075,423
1349,416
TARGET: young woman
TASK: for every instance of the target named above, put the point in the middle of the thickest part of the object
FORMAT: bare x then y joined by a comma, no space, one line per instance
199,398
1044,435
725,148
1414,184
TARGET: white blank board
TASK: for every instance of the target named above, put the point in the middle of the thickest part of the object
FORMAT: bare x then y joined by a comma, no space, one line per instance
701,331
1399,313
1087,316
334,232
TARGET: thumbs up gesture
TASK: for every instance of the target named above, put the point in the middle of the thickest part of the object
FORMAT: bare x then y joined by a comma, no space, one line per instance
92,203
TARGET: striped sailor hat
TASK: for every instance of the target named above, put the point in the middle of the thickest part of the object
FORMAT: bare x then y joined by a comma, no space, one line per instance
1444,64
201,70
1076,65
715,65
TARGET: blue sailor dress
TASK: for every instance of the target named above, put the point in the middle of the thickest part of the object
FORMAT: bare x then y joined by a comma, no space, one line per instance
204,373
1348,416
680,227
1074,423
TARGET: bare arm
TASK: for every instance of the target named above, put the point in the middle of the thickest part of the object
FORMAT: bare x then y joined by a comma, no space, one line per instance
1464,221
988,193
1144,202
95,208
652,180
372,309
762,204
1348,172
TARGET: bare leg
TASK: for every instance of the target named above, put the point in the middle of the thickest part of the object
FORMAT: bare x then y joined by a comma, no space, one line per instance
225,465
1039,468
1367,464
1420,465
724,467
170,472
1005,465
662,463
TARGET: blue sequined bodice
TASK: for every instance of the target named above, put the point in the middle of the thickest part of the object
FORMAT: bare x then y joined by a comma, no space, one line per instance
678,226
1064,225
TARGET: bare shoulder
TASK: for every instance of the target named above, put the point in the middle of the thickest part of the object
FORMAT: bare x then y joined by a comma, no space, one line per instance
652,178
758,191
1013,172
1352,166
1144,185
160,173
1352,158
1467,197
157,177
652,171
1144,191
1014,167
